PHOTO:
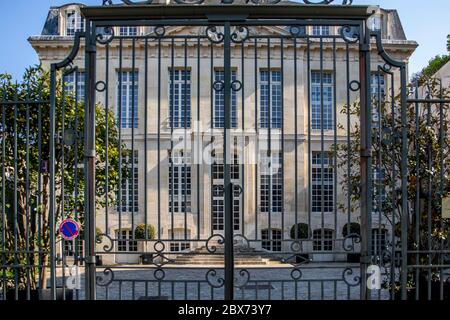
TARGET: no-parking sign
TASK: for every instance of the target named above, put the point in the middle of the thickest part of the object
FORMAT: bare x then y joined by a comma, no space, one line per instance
69,229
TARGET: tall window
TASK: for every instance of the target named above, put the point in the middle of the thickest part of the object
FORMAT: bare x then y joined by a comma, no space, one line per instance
379,190
127,99
219,102
128,31
179,182
378,90
271,244
218,203
74,22
270,93
218,167
379,241
321,31
74,85
128,193
377,85
271,181
180,98
323,240
322,183
125,241
322,102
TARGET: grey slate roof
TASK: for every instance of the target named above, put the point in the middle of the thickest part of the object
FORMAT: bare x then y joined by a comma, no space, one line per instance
393,28
51,25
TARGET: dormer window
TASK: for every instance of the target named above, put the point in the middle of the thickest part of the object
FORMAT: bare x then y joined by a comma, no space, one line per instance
128,31
321,30
74,22
375,23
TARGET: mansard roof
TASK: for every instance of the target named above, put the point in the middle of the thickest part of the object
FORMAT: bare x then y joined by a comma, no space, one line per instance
51,25
392,28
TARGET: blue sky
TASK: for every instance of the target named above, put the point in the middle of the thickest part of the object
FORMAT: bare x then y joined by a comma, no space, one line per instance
427,22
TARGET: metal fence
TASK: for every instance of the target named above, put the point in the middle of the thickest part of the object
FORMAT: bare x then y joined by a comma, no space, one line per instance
248,152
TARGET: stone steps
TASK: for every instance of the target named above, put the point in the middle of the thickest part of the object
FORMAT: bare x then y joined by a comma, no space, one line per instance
221,263
201,256
181,258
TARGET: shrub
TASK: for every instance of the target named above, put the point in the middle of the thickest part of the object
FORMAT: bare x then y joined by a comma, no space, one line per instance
98,234
139,232
355,228
303,231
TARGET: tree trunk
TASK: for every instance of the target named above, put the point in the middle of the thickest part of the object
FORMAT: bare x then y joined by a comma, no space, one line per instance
45,232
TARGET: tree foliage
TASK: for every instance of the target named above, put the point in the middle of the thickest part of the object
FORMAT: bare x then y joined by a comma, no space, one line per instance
448,42
434,65
25,143
428,147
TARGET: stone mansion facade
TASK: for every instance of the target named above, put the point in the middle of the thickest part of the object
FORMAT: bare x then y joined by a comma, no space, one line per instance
183,199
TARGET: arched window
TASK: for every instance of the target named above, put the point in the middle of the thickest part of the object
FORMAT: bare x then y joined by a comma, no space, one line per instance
323,240
179,234
273,243
125,241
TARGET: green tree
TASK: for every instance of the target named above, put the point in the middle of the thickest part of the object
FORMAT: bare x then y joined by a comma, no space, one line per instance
434,65
448,42
426,154
25,220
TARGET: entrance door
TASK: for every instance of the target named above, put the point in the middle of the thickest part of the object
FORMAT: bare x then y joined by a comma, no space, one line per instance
218,199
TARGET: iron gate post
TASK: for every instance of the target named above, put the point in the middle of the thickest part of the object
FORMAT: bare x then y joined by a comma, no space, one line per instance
228,186
89,162
365,159
404,172
52,205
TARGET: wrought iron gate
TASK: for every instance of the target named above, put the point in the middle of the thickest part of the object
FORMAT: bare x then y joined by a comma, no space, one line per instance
247,155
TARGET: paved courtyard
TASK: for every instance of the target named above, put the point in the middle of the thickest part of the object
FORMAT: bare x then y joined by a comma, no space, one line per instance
315,282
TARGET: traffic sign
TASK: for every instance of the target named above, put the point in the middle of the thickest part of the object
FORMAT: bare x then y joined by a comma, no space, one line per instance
69,229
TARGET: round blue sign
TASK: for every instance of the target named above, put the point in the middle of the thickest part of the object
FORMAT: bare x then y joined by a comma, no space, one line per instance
69,229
